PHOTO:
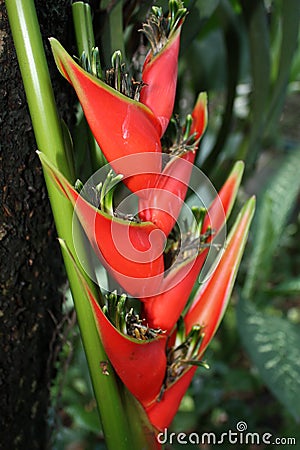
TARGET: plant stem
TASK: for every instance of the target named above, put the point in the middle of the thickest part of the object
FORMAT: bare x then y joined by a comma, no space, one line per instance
82,19
49,137
83,26
112,35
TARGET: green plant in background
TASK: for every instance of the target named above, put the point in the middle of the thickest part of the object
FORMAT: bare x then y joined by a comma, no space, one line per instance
259,40
244,55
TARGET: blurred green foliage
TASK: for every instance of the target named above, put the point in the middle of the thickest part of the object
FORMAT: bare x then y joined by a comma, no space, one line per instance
245,55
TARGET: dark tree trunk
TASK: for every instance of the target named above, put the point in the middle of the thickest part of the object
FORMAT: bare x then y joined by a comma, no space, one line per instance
31,267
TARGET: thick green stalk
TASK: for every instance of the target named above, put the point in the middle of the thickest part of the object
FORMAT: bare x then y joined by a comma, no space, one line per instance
82,18
49,137
83,26
113,34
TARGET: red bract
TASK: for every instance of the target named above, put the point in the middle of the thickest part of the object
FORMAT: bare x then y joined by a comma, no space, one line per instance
123,126
120,125
131,358
163,310
211,300
160,78
162,413
199,116
162,204
207,311
227,196
141,365
159,73
132,252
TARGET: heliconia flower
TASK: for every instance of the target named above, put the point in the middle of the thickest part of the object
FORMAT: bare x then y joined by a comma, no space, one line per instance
140,364
160,78
132,252
162,204
207,311
221,283
160,68
163,310
162,413
123,126
120,125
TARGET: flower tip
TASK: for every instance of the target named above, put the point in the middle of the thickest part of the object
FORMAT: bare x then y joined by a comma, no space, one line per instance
55,45
47,165
239,166
237,172
62,243
59,54
40,155
251,204
200,114
202,98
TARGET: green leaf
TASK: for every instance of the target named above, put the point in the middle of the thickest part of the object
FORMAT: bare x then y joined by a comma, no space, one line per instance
233,45
273,345
85,417
199,12
258,31
259,264
272,214
290,17
289,287
205,8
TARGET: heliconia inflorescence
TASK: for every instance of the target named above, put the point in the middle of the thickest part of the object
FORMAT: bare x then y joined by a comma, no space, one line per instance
156,350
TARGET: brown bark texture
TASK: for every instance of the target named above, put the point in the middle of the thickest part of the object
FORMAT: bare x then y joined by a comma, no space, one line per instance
31,270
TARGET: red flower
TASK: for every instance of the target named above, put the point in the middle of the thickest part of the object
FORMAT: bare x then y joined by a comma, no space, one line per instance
207,311
143,366
162,203
132,252
156,355
160,78
163,310
121,126
140,364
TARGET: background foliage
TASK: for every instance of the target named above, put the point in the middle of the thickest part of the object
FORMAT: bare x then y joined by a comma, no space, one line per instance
246,56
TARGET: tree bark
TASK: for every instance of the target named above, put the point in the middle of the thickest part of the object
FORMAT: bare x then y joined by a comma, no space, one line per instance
31,266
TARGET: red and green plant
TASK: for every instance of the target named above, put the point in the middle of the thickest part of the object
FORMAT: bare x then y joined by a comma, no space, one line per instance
145,338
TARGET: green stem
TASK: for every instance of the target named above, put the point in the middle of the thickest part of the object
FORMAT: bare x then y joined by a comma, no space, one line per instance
113,34
49,137
83,25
